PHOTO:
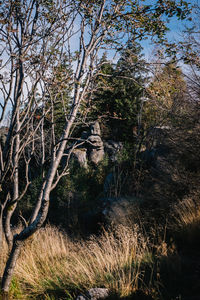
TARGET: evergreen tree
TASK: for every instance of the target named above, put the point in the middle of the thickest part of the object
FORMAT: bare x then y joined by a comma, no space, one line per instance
58,98
118,91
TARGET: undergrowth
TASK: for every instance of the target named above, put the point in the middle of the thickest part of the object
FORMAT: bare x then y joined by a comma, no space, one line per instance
126,260
51,265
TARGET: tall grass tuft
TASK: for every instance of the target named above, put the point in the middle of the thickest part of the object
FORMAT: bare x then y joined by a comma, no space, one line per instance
187,212
186,220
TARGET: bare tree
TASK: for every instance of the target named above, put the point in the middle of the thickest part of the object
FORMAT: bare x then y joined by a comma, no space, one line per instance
30,43
35,36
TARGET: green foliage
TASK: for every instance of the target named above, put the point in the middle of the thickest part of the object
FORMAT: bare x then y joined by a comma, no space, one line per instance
119,88
58,97
15,289
29,200
77,195
167,91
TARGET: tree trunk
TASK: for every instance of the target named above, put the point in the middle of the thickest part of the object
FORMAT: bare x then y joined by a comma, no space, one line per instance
38,205
7,226
11,209
10,266
1,229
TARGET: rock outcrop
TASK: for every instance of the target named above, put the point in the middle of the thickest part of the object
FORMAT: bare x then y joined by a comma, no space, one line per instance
96,147
80,154
112,148
94,294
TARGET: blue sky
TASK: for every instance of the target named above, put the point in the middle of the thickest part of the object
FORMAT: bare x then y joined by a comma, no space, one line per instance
176,27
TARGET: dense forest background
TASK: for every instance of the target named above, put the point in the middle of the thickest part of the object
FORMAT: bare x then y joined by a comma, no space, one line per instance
99,155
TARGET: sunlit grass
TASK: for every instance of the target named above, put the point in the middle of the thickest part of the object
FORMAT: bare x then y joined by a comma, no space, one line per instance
121,259
187,213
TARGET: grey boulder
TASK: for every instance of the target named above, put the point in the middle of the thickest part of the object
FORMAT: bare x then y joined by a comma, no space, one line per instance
95,294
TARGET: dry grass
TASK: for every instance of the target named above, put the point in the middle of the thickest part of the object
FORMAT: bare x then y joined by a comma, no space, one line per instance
121,260
186,213
185,222
3,257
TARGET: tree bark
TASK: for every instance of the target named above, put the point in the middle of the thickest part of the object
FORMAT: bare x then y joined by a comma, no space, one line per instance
11,209
1,229
8,272
7,226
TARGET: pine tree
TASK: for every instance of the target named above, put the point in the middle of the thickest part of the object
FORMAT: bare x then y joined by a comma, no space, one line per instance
118,91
